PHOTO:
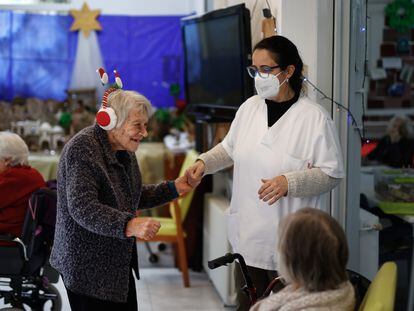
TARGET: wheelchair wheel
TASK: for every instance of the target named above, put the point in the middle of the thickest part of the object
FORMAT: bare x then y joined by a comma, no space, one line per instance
153,258
45,301
56,304
162,247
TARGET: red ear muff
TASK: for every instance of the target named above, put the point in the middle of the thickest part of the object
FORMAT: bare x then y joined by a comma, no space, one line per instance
106,118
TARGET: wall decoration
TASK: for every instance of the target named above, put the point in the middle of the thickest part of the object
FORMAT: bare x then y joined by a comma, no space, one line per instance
85,20
38,55
88,53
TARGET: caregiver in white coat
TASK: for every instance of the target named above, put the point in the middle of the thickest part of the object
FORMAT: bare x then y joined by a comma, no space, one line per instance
286,155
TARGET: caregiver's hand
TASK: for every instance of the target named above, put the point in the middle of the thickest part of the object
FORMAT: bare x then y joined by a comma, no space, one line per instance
195,173
143,228
183,186
273,189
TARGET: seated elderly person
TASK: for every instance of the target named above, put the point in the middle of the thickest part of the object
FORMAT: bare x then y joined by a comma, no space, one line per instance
17,182
312,257
396,148
99,192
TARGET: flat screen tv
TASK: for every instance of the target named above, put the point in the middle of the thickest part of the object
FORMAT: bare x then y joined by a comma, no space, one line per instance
217,49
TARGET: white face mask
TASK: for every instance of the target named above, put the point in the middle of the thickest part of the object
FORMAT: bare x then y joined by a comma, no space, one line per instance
268,87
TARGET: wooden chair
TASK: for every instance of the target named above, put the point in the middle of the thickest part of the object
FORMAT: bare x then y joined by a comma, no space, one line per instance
171,230
381,293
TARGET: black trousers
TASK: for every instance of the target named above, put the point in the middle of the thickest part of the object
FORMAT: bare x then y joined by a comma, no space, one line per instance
261,279
86,303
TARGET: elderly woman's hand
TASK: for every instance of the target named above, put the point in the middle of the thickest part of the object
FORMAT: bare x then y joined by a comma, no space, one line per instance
143,228
273,189
195,173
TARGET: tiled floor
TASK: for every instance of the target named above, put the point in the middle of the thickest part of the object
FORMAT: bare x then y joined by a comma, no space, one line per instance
161,288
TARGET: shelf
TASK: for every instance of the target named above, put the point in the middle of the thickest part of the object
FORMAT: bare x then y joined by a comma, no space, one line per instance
389,112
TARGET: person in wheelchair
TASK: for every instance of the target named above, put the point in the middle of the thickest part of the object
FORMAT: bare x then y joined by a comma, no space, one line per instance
99,192
312,257
17,182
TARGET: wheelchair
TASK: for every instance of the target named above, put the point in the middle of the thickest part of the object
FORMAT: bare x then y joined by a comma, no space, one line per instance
25,275
359,282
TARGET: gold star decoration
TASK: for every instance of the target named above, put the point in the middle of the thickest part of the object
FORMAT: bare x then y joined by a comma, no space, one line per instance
85,20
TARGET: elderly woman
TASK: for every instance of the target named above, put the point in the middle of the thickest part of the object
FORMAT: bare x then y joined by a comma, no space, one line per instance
312,253
396,148
99,192
17,182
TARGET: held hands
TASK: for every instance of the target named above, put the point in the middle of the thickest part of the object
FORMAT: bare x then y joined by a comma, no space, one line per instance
190,179
273,189
182,185
195,173
143,228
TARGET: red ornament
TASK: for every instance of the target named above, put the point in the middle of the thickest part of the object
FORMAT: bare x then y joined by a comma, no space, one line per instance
180,104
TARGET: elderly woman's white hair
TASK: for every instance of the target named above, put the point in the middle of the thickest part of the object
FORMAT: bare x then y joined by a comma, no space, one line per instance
405,127
14,149
123,101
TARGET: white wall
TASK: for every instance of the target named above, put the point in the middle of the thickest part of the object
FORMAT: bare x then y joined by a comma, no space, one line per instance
309,25
121,7
300,26
256,13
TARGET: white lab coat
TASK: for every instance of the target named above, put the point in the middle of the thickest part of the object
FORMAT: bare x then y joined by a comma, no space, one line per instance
304,135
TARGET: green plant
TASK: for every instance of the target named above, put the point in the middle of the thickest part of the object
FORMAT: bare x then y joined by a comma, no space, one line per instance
400,14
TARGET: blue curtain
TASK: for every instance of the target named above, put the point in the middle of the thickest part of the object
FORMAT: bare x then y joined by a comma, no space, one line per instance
37,54
147,51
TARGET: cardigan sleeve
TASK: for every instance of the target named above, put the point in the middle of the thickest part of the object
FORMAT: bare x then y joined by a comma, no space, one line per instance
82,185
156,195
18,182
215,159
7,191
309,182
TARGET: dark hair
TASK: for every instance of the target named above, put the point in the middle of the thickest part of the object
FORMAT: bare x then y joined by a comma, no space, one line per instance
285,53
313,249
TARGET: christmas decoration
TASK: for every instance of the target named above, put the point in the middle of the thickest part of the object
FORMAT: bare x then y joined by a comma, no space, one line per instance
106,116
88,52
103,75
118,81
85,20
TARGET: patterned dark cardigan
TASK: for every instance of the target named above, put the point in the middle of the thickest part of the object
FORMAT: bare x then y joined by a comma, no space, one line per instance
98,193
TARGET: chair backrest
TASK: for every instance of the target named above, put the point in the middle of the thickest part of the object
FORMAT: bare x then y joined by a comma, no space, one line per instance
185,201
381,293
39,224
360,284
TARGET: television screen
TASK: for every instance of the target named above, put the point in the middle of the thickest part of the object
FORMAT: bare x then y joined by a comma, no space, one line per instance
217,49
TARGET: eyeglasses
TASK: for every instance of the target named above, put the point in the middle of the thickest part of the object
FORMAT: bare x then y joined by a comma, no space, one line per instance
263,71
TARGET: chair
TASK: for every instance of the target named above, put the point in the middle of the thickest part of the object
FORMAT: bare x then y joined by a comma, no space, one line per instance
171,230
24,270
360,284
381,293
